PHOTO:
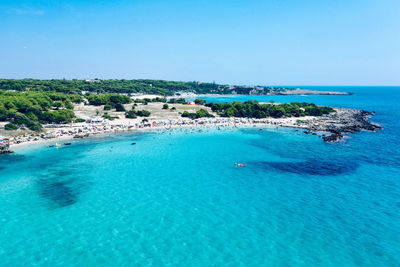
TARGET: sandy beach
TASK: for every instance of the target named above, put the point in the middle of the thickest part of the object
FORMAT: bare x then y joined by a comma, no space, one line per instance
334,125
66,133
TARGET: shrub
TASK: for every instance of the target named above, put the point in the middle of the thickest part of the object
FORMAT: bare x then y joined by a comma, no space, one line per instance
143,113
159,99
58,116
177,101
68,105
131,114
80,120
199,114
203,113
119,107
189,115
34,126
102,99
58,104
10,126
139,101
200,101
106,116
107,107
165,106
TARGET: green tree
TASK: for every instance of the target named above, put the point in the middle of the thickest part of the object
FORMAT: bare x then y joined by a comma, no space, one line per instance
143,113
230,112
10,126
58,104
68,105
131,114
119,107
200,101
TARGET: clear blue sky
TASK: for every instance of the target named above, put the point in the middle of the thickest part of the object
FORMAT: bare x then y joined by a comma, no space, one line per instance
270,42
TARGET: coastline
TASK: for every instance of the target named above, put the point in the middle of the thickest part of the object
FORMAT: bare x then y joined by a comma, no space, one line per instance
185,124
299,91
330,128
287,92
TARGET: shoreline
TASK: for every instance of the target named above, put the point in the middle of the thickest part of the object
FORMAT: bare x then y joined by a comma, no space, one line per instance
282,93
299,91
330,128
185,125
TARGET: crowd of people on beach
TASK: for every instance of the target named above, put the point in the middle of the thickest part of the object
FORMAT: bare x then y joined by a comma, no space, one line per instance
81,130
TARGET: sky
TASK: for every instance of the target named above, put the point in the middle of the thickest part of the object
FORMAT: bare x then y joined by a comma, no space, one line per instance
253,42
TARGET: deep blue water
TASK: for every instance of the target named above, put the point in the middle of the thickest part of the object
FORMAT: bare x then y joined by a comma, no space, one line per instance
177,199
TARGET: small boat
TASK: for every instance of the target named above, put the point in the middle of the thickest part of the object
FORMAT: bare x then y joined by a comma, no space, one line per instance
133,143
67,144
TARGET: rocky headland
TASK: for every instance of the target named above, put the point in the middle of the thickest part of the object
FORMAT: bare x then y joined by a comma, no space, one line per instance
341,122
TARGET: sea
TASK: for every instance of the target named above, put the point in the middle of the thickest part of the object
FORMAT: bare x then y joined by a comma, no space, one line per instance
178,198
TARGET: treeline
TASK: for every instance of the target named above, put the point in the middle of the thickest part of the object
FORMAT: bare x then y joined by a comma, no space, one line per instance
160,87
30,109
253,109
198,114
108,99
145,101
177,101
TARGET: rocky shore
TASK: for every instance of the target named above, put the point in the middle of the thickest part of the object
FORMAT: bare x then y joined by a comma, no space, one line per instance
341,122
299,91
261,91
5,148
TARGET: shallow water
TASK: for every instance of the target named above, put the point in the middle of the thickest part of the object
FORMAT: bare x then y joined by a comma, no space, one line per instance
177,198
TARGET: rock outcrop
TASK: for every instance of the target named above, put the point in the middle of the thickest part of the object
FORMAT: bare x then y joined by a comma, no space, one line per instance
5,148
341,122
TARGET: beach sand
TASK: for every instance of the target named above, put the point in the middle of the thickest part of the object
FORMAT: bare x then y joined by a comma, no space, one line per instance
341,121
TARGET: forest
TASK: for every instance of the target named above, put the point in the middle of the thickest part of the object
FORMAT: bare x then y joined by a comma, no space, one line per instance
253,109
145,86
31,109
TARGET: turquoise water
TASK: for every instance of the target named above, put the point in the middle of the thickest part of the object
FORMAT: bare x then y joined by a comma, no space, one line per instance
177,199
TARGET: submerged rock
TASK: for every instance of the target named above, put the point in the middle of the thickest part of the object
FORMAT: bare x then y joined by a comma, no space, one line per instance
59,193
314,166
332,138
